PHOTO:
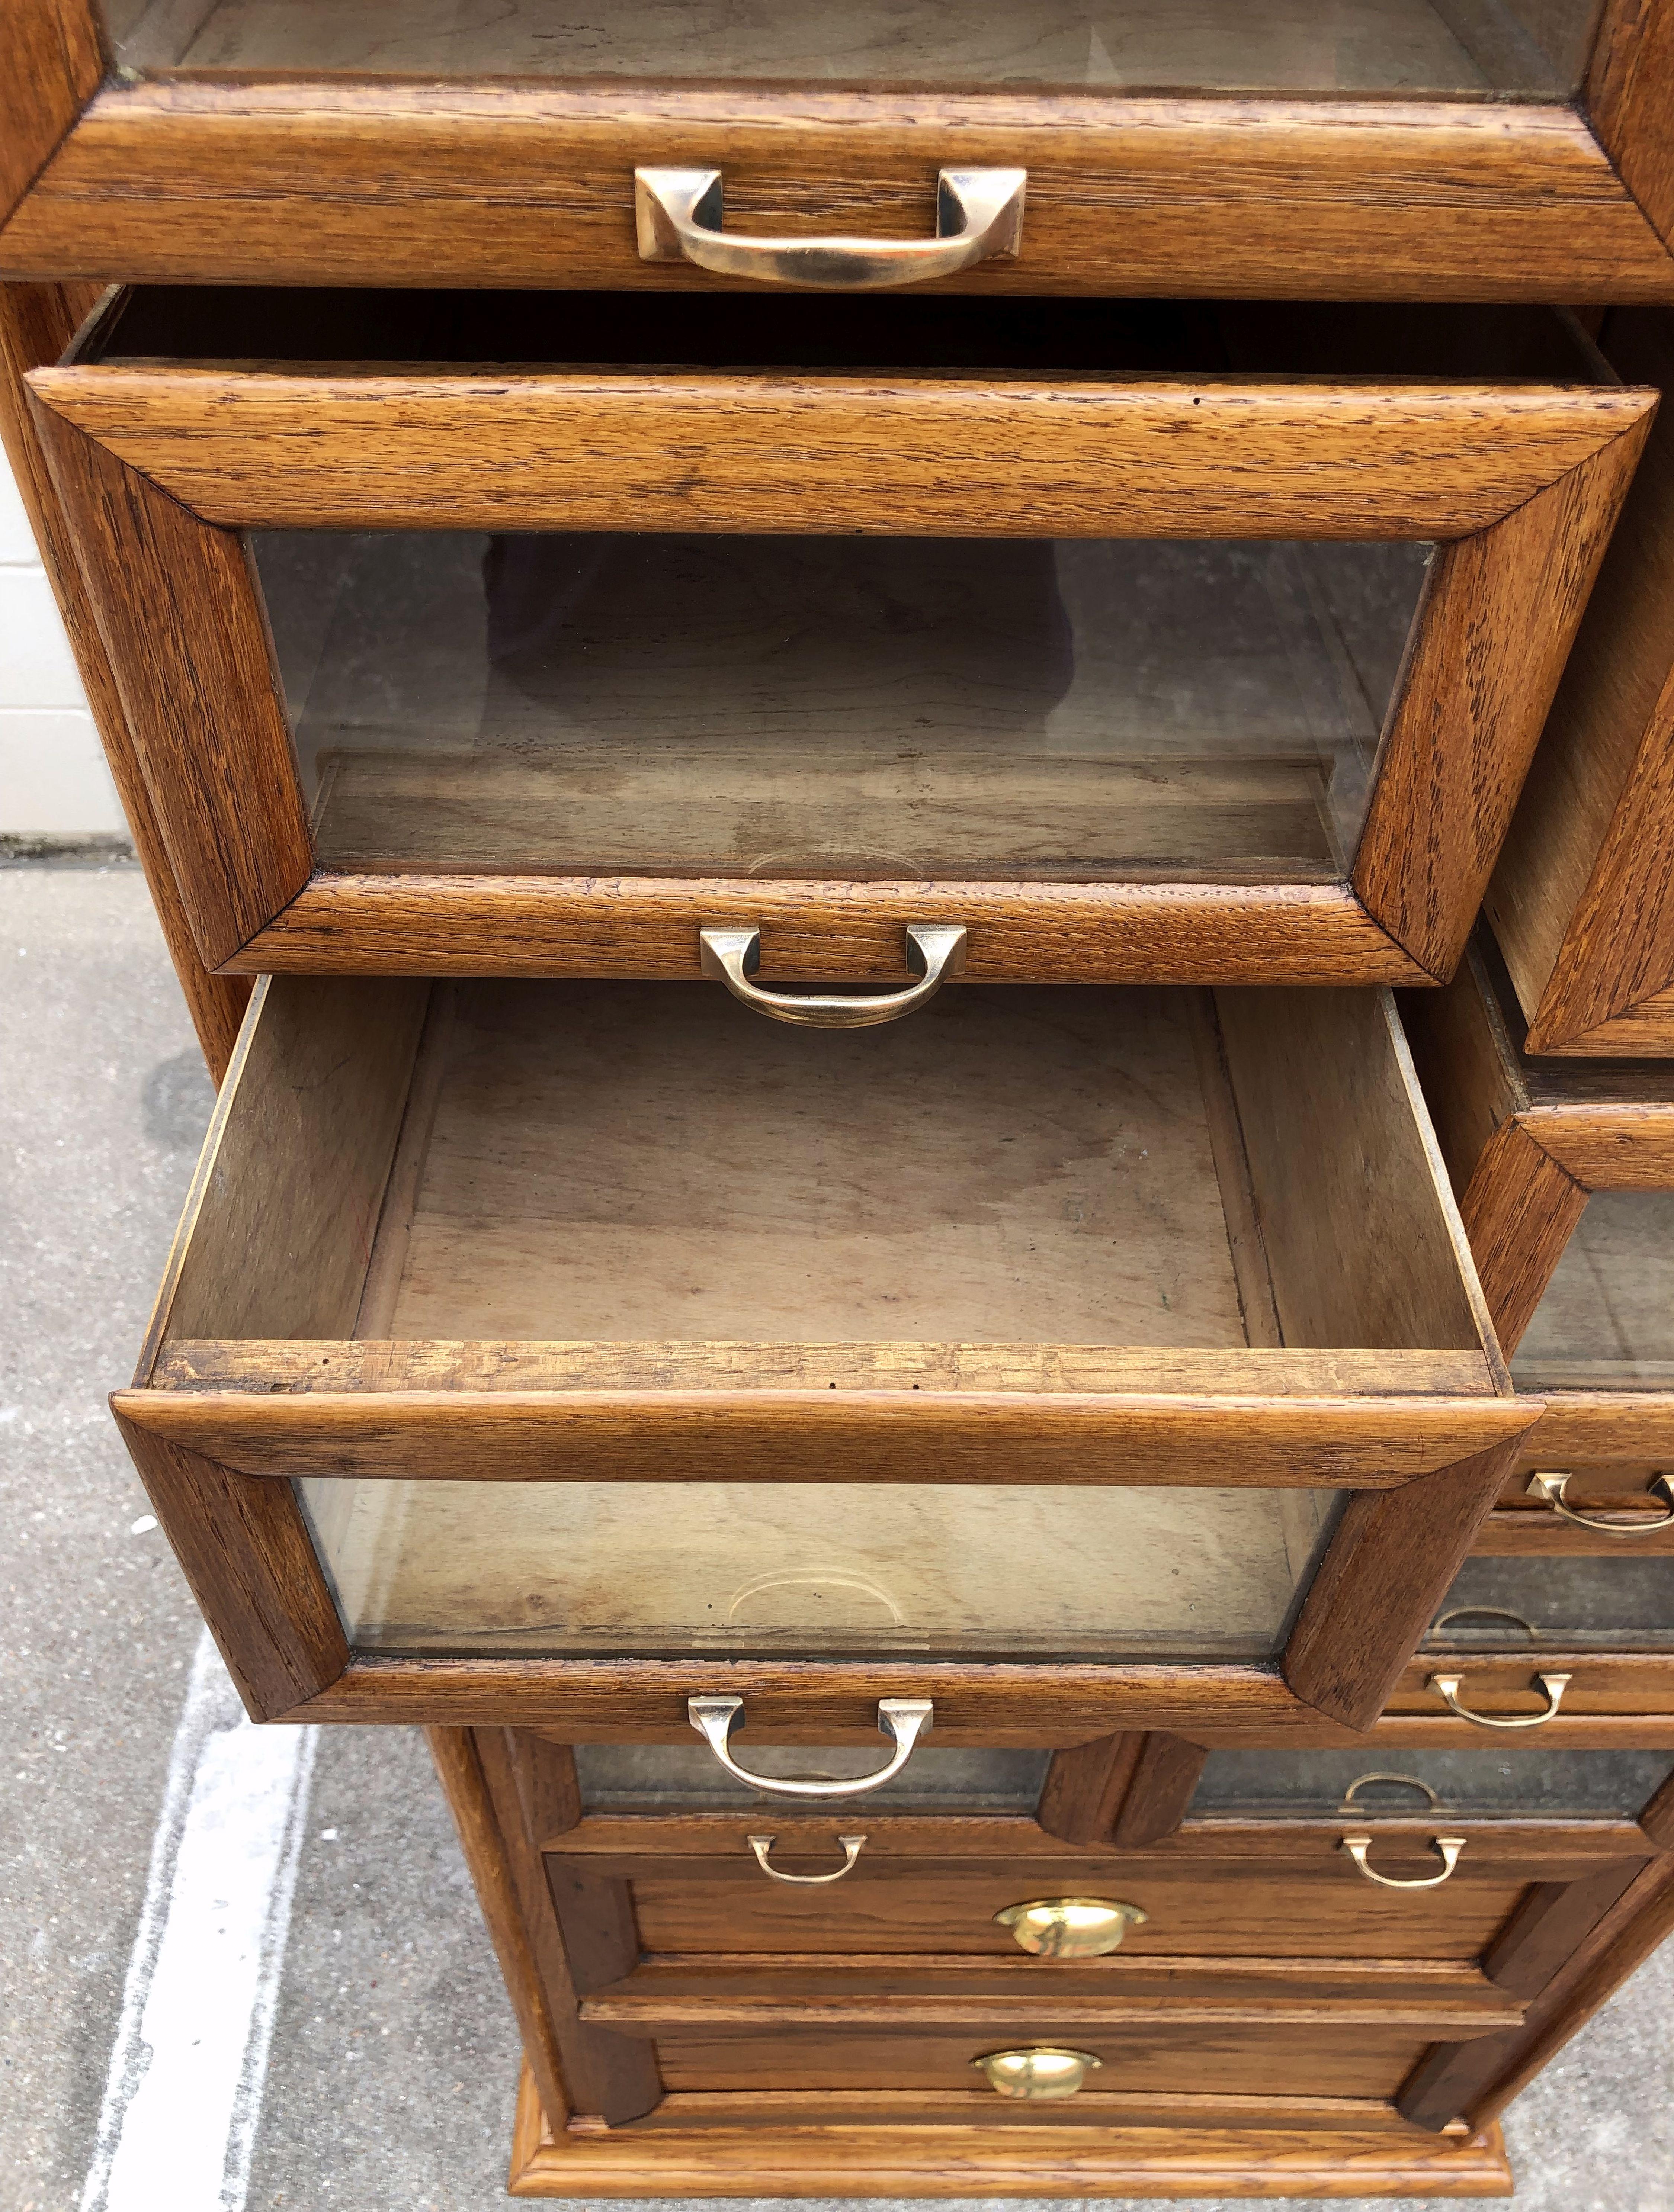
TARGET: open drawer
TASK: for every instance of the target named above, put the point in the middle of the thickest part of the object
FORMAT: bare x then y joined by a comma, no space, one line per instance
579,1347
1140,642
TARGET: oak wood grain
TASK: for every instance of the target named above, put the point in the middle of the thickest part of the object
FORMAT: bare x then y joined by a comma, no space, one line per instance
1520,1210
1543,1932
1467,721
1628,99
179,614
782,1434
51,62
1085,1785
430,183
727,2146
243,1548
483,1841
37,323
1207,457
1581,898
829,932
1387,1569
608,2074
1165,1775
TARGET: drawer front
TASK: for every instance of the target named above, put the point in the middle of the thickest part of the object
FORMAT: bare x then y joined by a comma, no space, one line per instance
1321,1910
1176,620
1254,2061
1278,157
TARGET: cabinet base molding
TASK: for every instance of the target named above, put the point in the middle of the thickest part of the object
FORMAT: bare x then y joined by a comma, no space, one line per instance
767,2155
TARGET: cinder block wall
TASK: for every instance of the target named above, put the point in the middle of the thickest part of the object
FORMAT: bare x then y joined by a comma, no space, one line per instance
53,781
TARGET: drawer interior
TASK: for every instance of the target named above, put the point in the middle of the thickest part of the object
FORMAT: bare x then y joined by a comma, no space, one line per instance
838,708
567,1186
1524,1784
1578,1601
1310,45
1606,1319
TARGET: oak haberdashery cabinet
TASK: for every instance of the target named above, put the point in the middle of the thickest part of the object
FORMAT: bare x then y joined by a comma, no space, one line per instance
1384,148
819,708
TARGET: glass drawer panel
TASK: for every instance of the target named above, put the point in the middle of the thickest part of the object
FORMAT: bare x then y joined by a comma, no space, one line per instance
1531,1784
1459,48
1520,1604
864,707
1606,1320
939,1569
616,1777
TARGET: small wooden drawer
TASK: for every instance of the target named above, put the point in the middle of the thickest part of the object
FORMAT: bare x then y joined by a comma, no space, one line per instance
1140,642
592,1346
1403,148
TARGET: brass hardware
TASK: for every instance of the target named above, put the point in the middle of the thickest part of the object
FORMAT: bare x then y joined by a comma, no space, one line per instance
1071,1927
1038,2074
1412,1781
1530,1633
678,215
761,1845
731,957
1449,1686
1447,1848
903,1720
1549,1489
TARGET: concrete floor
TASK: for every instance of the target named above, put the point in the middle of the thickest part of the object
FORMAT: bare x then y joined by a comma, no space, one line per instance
394,2055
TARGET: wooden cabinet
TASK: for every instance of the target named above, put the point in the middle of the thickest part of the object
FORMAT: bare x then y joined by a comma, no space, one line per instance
690,1995
1390,148
597,1341
539,671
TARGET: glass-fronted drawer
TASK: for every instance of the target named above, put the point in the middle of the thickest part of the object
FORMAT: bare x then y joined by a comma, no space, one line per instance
1533,1784
1406,46
1573,1601
1605,1319
622,1778
691,620
601,1323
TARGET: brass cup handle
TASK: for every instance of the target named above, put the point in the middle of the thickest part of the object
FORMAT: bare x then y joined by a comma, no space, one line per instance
1549,1489
761,1845
1037,2075
903,1720
1447,1848
1449,1686
732,956
979,215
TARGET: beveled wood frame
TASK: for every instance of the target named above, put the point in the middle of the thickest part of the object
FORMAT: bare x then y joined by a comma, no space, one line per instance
1582,900
394,181
1526,1140
161,468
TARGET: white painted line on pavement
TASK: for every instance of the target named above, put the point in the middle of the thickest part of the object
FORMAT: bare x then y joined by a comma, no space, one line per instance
178,2127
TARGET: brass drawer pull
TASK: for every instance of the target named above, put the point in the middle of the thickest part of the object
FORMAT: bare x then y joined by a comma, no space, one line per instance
1449,1686
979,215
761,1845
1071,1927
903,1720
1549,1489
1407,1781
1038,2074
1526,1629
1447,1848
731,957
